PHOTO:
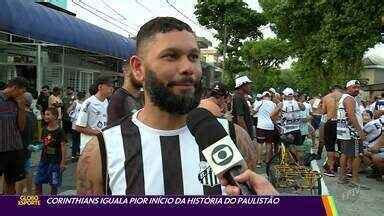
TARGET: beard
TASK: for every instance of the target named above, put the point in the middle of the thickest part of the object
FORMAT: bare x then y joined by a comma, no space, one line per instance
135,83
162,96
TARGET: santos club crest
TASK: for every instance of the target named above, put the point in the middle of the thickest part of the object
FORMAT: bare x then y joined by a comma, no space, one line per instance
206,175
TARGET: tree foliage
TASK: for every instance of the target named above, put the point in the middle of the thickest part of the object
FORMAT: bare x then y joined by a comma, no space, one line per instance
329,37
263,58
265,54
234,22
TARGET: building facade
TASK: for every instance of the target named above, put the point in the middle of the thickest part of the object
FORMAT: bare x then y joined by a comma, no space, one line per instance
53,48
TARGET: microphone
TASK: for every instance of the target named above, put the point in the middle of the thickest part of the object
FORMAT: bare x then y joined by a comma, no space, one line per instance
219,150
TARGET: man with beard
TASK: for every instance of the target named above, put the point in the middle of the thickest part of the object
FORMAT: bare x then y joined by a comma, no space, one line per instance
153,152
350,132
125,100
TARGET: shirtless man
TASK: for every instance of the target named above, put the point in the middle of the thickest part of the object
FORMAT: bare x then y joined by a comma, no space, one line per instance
329,106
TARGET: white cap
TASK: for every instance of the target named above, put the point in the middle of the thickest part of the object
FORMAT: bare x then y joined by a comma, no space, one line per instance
272,90
288,91
265,93
352,82
239,81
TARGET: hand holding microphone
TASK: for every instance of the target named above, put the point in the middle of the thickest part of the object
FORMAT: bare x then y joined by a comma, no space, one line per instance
222,154
257,182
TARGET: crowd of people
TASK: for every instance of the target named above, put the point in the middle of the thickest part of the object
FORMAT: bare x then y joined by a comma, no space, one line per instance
50,123
134,140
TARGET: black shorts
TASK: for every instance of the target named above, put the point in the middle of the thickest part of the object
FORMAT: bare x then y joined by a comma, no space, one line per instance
294,138
12,165
350,148
264,136
330,135
316,120
255,121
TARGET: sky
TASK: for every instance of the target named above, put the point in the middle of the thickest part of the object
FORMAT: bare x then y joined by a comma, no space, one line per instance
126,16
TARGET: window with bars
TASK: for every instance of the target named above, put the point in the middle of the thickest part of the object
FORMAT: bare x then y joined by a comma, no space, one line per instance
7,72
52,76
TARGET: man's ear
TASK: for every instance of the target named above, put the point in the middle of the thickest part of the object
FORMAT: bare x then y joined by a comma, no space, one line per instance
137,68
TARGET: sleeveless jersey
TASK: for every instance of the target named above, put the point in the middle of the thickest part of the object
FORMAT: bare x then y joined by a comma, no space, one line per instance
140,160
345,131
291,116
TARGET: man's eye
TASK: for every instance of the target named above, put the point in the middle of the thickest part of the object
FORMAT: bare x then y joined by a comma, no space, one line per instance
170,56
194,57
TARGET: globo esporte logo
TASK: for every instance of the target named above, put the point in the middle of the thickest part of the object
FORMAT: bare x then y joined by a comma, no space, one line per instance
222,155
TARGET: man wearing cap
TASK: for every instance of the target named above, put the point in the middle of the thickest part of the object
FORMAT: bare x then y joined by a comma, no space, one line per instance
216,100
275,96
350,132
265,127
93,114
290,112
241,111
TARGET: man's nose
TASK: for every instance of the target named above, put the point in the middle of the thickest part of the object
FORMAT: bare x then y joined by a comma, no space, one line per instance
186,66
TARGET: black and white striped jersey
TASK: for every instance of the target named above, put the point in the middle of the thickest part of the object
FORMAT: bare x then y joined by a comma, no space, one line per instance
140,160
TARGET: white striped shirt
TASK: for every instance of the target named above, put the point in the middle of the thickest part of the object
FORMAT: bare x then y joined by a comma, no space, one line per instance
141,160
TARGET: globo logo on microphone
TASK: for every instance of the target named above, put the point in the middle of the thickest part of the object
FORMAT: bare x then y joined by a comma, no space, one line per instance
222,155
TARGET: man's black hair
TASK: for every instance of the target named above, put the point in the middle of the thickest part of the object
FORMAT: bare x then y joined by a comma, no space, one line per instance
219,90
92,89
159,25
19,82
81,95
45,87
70,88
103,80
56,91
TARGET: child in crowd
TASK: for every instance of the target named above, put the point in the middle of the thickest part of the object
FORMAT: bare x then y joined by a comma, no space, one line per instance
52,162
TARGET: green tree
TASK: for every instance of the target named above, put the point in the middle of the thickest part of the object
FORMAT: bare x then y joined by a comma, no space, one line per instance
263,58
329,37
234,22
